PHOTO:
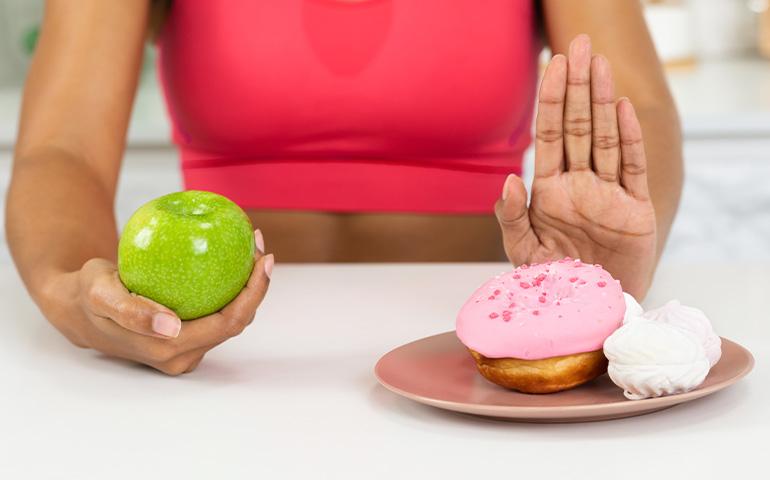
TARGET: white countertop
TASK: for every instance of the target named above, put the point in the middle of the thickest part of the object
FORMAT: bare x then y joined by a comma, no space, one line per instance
295,396
723,98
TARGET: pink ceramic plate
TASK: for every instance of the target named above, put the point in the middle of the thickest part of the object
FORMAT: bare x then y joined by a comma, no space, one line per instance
439,371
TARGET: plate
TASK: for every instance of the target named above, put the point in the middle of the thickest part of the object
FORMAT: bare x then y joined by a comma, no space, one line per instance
439,371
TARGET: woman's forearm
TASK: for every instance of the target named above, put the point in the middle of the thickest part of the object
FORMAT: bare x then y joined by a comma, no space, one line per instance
74,116
58,215
663,145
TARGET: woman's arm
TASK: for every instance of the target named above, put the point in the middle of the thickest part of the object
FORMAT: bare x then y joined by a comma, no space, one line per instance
77,102
618,31
60,221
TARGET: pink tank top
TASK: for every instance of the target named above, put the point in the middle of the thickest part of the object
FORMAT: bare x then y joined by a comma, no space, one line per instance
349,106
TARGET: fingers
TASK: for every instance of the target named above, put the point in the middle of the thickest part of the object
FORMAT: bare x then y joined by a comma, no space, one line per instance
183,363
106,297
246,303
633,172
127,325
605,141
235,316
549,136
512,213
577,111
179,355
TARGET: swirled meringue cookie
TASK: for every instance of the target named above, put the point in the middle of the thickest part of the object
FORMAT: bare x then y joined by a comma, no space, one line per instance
649,358
633,309
693,321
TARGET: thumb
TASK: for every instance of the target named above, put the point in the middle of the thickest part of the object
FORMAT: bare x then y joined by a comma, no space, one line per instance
513,215
107,297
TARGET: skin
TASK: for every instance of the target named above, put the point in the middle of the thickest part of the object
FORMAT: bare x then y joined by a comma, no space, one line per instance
590,197
62,231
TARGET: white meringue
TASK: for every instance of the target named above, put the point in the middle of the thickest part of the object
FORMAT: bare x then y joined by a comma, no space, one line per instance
649,358
693,321
633,309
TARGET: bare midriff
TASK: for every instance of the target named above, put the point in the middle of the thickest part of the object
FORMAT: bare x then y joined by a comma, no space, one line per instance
378,237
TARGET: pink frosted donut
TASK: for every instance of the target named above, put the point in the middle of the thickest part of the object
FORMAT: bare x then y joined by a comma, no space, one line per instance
542,311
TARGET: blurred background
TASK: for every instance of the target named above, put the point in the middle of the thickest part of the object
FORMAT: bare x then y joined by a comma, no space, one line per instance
717,57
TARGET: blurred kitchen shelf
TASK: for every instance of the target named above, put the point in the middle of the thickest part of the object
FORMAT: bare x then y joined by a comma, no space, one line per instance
716,99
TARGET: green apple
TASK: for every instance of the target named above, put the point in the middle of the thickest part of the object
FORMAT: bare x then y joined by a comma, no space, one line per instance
191,251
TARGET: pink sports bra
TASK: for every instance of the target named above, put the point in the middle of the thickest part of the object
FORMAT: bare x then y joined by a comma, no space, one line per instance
351,106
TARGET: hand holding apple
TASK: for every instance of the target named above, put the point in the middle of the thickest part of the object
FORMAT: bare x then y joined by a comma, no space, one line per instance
95,310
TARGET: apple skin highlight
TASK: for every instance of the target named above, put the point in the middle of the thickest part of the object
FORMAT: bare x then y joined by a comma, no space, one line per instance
191,251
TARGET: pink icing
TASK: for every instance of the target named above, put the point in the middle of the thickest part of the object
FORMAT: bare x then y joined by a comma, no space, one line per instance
542,310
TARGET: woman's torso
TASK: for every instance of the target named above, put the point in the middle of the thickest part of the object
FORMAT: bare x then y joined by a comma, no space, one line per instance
374,130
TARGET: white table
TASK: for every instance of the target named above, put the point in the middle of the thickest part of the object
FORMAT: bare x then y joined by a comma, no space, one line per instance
294,396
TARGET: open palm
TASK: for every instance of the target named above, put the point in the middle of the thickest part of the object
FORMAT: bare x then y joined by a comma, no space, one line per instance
590,198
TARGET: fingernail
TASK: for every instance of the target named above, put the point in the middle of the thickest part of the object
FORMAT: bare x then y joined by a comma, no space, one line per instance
505,186
259,240
581,43
166,324
626,101
269,262
558,58
601,62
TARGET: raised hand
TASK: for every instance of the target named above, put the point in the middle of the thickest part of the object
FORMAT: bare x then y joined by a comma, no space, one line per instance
589,197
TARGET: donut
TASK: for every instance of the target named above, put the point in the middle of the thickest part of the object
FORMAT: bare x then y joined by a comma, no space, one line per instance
540,328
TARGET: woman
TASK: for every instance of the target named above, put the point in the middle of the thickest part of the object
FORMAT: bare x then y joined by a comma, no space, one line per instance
350,131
